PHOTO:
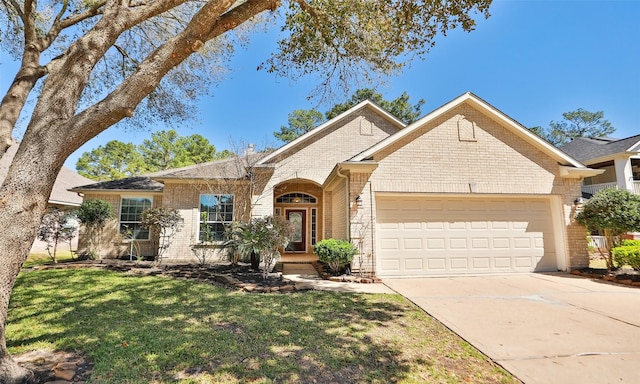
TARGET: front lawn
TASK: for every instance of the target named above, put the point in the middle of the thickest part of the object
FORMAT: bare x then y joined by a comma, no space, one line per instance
164,330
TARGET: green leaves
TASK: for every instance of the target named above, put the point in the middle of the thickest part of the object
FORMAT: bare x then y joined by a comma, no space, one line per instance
398,107
614,212
262,235
95,212
353,42
578,123
114,160
301,121
617,210
165,150
335,253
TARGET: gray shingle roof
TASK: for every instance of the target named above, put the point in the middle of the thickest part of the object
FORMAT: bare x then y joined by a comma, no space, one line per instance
584,149
229,168
139,183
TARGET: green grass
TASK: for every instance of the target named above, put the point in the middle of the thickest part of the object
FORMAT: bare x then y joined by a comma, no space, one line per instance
44,259
163,330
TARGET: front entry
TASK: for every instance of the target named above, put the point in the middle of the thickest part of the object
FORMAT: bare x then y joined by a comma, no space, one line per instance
298,220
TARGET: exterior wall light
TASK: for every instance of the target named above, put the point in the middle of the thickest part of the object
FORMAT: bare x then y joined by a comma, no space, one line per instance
359,201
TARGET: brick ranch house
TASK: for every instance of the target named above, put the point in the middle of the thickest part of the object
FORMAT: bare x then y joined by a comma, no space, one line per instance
464,189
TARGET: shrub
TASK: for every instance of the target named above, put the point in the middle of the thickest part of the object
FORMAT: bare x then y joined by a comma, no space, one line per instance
57,226
94,214
163,223
262,236
628,254
631,243
335,253
614,212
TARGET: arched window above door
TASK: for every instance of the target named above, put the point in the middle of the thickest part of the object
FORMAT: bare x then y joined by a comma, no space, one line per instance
296,198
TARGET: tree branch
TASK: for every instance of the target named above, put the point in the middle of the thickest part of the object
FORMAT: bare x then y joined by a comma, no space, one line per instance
16,7
211,21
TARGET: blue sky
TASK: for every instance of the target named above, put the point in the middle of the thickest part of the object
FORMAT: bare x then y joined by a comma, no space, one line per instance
533,60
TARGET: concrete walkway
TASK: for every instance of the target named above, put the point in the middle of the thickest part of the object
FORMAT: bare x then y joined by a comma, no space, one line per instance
543,328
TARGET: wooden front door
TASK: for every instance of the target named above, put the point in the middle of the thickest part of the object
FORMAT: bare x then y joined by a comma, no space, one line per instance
298,220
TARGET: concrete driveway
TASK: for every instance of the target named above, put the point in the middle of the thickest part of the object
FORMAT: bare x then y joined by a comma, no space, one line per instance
543,328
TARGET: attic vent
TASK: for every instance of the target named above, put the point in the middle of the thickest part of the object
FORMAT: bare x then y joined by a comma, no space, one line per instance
366,127
466,129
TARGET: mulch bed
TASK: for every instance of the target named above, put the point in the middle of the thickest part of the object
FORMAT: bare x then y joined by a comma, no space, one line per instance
239,277
621,276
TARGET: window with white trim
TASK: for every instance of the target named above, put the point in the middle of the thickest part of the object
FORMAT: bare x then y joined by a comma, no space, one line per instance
216,211
131,209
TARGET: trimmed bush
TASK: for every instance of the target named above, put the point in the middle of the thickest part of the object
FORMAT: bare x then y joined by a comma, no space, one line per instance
335,253
628,254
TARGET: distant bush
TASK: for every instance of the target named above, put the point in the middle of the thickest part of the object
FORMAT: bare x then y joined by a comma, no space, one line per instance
628,254
335,253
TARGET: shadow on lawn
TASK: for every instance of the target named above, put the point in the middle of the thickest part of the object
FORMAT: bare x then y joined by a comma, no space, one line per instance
141,329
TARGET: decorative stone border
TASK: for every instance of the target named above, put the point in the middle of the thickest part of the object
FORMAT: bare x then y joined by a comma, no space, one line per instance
631,279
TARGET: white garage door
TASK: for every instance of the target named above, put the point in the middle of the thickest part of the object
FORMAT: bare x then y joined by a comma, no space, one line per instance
439,236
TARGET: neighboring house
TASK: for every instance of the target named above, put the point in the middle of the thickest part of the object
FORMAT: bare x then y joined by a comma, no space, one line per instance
619,158
465,189
61,198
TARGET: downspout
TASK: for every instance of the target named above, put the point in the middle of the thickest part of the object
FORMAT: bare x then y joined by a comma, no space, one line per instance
348,210
373,228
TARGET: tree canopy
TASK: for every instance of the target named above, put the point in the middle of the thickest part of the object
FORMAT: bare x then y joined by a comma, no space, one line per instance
578,123
614,212
165,150
302,121
91,64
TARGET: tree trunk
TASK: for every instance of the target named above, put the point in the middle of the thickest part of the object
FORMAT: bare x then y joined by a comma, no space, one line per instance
255,261
28,183
12,373
57,128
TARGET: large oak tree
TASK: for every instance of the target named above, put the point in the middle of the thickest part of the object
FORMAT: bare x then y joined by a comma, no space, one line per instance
93,63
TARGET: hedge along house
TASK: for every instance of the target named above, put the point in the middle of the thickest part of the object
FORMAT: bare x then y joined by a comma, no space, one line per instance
465,189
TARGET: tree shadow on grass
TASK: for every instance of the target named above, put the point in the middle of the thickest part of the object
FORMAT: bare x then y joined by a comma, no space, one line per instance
144,329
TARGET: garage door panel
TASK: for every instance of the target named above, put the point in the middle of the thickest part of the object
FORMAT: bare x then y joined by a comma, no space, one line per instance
434,225
414,264
480,243
482,263
449,236
459,263
499,225
392,244
436,243
437,264
522,243
412,225
501,243
413,244
457,243
523,262
502,262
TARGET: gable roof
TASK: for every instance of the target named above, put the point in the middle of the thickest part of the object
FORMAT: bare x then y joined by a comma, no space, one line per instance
324,126
595,148
229,168
65,180
488,109
136,183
